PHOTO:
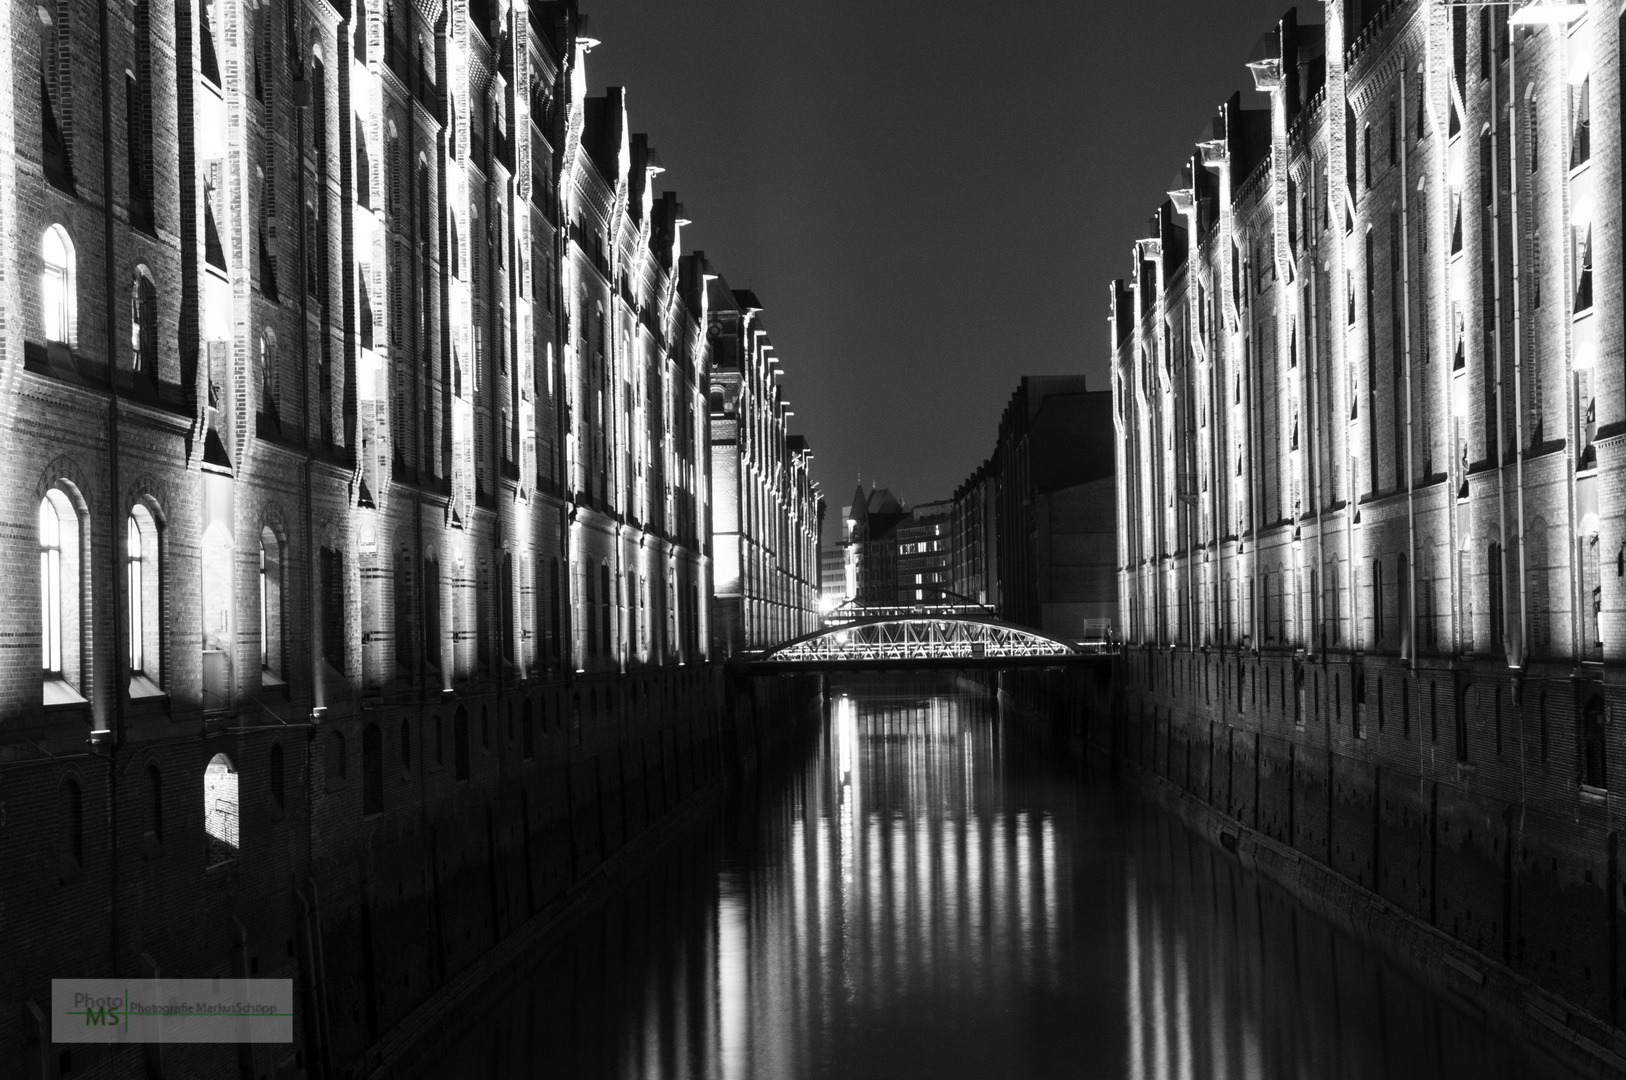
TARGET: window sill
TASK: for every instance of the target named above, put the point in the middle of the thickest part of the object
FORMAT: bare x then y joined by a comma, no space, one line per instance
144,689
1590,794
59,694
224,866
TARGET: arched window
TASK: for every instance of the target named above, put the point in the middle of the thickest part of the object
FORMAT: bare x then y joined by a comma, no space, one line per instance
423,202
1403,590
58,287
604,608
335,763
1493,570
143,324
394,179
152,810
71,846
60,584
1377,603
275,777
268,376
334,645
143,575
591,610
1594,759
372,770
431,612
271,643
364,172
460,742
220,809
403,611
360,34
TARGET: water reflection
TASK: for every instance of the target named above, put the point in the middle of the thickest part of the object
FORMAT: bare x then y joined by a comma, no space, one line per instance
932,894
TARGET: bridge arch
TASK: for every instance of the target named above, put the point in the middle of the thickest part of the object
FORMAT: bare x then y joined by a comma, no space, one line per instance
923,637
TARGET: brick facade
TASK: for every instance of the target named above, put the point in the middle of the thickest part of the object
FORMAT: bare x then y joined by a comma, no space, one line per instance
1368,386
369,400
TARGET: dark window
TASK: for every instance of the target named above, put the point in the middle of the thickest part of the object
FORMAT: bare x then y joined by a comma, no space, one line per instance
604,608
431,612
152,819
505,605
403,612
333,642
1493,567
372,770
134,124
406,746
460,742
1594,760
526,731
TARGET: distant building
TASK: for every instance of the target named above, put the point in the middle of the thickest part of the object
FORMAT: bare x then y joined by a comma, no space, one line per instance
767,513
923,554
1056,522
872,539
974,538
833,590
1033,530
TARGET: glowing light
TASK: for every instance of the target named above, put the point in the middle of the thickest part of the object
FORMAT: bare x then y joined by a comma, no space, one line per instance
1547,14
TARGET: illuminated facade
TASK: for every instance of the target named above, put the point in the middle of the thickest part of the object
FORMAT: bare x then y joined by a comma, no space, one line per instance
359,464
1369,397
768,512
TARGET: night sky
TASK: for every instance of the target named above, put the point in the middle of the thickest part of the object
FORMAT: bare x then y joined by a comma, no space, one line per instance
928,198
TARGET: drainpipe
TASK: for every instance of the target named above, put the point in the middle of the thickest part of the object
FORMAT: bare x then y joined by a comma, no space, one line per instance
109,263
312,571
1518,339
1409,629
1511,647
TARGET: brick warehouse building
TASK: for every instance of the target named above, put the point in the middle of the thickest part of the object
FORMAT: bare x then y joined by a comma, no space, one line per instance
1370,399
767,511
355,391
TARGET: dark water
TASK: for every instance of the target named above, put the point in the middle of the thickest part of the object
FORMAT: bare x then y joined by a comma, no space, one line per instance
932,893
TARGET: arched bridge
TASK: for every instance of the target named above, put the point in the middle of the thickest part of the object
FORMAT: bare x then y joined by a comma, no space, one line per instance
901,640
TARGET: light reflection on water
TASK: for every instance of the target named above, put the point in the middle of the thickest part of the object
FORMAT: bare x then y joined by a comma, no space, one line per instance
932,893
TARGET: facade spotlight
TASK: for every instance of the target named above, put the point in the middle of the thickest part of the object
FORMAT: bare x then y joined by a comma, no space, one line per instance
1267,74
585,36
1213,152
1184,200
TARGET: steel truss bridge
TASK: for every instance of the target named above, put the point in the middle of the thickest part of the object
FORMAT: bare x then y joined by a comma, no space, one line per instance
895,639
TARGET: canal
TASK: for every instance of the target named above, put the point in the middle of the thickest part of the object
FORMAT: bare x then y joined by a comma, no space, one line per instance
933,890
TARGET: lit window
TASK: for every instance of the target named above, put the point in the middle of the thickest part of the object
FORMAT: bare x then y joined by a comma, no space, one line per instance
57,285
50,586
220,809
141,557
143,324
